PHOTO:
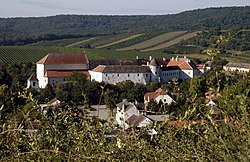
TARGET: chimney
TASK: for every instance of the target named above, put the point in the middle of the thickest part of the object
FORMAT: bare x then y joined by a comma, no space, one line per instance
164,59
150,58
176,58
137,57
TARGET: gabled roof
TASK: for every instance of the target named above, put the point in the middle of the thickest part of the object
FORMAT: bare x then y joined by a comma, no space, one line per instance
122,69
238,65
183,64
134,120
57,58
62,74
125,104
32,78
152,95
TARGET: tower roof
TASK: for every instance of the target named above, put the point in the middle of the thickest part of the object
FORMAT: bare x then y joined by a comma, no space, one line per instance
33,78
154,62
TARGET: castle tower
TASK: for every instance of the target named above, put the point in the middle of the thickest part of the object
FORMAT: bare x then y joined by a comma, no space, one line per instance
155,68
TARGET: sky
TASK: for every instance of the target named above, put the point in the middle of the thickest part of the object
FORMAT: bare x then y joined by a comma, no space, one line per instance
36,8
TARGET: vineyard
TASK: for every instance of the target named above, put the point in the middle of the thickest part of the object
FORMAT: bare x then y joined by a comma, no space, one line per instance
154,41
172,42
25,54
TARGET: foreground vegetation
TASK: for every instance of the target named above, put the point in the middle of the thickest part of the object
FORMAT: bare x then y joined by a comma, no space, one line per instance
27,134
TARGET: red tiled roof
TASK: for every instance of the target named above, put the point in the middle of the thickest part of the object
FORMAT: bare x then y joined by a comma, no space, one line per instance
56,58
183,64
60,74
152,95
163,62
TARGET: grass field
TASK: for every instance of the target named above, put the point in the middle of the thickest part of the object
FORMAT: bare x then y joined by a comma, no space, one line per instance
120,41
153,41
172,42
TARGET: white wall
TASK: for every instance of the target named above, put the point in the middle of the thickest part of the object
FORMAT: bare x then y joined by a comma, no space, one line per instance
242,70
96,76
166,99
167,76
33,84
144,123
40,75
185,74
114,78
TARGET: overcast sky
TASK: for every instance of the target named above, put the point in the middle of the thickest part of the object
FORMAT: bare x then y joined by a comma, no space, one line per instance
31,8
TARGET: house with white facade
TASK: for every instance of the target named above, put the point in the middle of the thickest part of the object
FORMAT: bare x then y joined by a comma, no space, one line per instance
237,67
128,115
158,96
33,82
55,67
155,71
114,74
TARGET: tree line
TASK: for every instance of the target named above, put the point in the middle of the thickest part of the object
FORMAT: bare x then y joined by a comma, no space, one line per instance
27,30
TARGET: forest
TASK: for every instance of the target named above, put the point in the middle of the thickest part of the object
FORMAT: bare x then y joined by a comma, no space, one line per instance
28,134
19,31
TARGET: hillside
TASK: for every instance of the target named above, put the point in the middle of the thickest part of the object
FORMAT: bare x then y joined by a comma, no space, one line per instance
17,31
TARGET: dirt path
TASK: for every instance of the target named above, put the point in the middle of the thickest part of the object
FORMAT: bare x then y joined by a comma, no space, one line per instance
80,42
119,41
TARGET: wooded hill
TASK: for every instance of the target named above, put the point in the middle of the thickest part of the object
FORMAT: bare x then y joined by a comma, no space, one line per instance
28,30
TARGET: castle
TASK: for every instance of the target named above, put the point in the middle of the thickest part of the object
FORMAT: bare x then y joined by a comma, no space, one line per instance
156,70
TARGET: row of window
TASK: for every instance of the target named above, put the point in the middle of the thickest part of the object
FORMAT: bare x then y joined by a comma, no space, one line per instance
119,75
170,74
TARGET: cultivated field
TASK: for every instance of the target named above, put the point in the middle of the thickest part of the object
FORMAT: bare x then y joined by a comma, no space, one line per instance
153,41
120,41
26,54
172,42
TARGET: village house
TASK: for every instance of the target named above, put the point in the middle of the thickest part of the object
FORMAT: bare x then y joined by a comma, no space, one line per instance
55,67
128,115
237,67
156,70
158,96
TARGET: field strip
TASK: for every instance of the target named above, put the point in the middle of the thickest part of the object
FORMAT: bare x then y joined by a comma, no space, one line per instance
70,45
172,42
153,41
120,41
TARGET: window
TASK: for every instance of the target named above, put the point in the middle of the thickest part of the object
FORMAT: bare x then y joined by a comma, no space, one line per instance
34,84
155,73
106,75
165,100
138,74
146,75
128,75
118,75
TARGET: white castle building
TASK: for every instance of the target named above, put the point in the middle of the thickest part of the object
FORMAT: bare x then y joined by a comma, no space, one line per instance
155,71
54,68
